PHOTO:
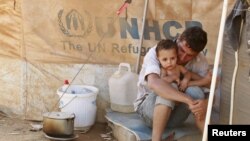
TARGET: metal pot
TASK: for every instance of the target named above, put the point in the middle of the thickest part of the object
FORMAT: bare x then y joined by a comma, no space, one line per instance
58,124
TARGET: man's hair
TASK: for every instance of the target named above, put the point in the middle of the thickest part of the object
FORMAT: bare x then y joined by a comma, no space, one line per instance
165,45
195,37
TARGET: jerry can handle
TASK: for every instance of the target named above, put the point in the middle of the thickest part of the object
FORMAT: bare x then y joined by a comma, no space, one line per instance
127,65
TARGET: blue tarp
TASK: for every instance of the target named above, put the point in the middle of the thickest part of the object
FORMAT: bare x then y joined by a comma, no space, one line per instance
133,123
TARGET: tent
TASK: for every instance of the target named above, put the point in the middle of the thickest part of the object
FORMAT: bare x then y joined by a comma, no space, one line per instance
44,42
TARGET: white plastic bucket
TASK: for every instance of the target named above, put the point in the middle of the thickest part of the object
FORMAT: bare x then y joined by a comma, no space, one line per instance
80,100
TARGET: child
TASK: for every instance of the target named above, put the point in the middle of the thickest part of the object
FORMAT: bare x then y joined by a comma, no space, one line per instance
171,72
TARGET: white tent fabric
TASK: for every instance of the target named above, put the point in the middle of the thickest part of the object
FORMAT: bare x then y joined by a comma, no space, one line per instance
44,42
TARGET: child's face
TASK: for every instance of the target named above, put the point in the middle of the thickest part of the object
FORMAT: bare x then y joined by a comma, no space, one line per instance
168,58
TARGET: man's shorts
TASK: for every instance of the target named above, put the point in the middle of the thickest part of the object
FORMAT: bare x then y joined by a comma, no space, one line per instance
169,103
179,112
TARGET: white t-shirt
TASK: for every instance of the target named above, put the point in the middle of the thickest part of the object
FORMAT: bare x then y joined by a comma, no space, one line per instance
151,64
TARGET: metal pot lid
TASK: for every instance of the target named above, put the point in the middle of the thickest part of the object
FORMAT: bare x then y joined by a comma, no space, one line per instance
59,115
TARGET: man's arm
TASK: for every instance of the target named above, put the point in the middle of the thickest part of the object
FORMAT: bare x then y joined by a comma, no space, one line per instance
165,90
200,81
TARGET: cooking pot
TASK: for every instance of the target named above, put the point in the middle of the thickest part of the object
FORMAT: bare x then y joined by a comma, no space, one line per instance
58,124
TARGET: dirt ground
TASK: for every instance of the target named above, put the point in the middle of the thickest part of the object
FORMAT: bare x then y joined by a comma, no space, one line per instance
12,129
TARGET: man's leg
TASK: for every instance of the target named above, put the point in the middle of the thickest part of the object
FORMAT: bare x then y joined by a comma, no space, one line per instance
146,109
162,113
181,112
161,116
200,124
155,112
196,93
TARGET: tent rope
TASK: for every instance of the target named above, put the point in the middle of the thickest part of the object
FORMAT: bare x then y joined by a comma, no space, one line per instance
115,17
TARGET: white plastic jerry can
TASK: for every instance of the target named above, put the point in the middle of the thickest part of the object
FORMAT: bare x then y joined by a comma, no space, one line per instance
123,89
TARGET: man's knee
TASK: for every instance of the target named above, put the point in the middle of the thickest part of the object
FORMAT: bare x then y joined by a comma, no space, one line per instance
161,101
195,92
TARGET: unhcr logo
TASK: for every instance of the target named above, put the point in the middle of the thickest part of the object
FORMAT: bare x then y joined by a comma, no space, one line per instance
73,24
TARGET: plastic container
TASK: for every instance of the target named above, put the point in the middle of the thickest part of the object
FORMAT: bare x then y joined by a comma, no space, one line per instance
80,100
65,85
123,89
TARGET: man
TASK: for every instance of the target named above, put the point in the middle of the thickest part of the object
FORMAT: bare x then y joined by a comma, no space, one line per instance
156,98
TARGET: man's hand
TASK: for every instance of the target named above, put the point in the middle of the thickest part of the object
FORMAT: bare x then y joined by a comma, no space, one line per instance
199,108
189,101
203,81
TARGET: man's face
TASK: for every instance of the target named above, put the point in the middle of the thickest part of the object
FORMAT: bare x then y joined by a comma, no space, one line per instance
185,53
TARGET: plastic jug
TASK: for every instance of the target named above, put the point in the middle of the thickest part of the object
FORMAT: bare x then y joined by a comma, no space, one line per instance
65,85
123,89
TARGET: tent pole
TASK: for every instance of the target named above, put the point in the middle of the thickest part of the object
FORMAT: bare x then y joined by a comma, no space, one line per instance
215,70
141,37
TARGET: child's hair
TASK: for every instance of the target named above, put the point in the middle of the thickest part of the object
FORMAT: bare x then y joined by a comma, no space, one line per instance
165,45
